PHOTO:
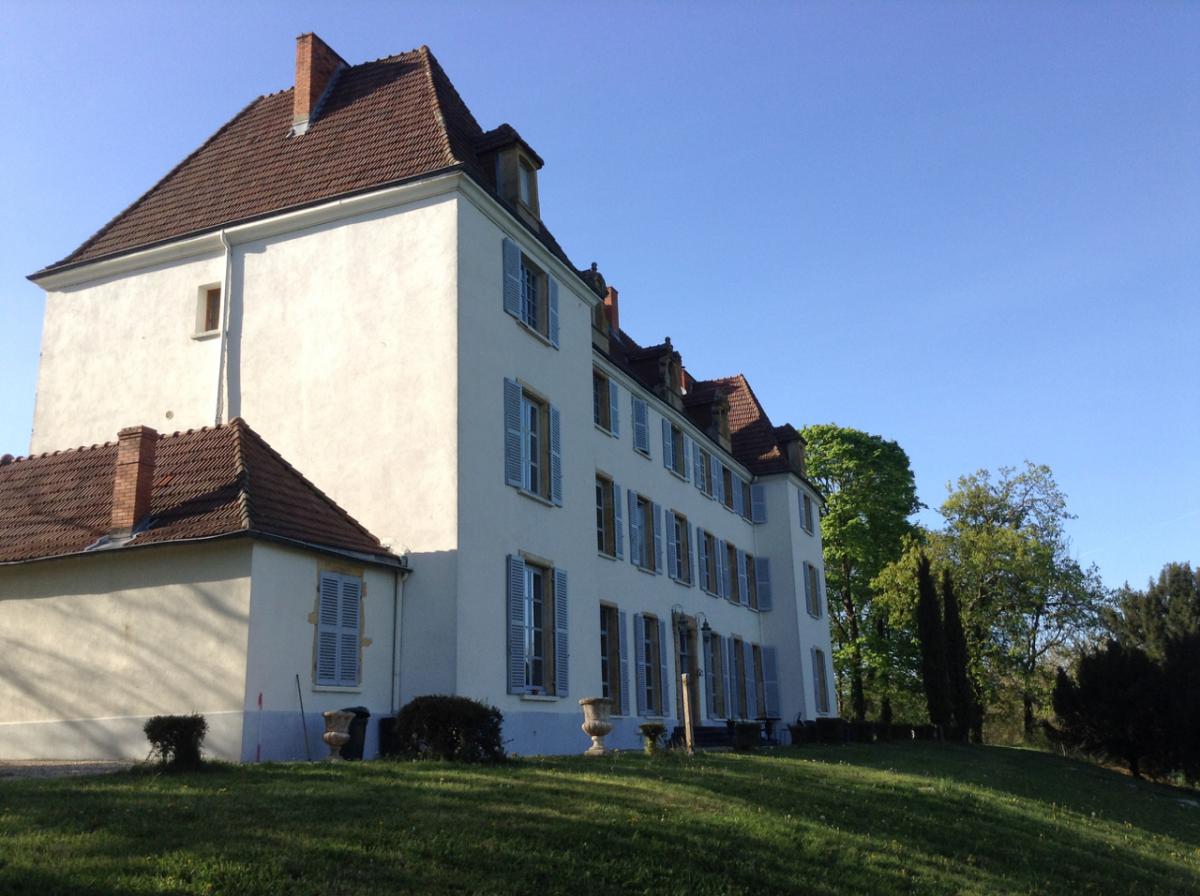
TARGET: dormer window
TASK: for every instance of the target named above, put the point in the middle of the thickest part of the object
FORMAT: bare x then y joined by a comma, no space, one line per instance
525,187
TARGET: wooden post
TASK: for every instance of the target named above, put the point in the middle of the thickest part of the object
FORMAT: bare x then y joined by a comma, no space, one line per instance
689,737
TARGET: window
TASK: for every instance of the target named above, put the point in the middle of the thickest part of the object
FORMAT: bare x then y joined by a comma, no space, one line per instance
746,501
806,513
820,680
530,295
641,427
208,311
525,187
686,661
532,443
675,449
714,676
812,590
738,673
750,565
650,634
612,659
679,549
759,709
338,636
604,403
645,533
537,617
703,475
707,562
727,483
734,573
608,517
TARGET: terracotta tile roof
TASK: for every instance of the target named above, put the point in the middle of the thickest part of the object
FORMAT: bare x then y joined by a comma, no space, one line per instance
209,482
383,122
754,439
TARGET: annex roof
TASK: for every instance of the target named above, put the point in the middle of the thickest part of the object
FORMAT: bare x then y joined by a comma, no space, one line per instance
211,482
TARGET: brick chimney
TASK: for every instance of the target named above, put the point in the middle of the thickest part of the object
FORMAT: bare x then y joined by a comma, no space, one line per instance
134,479
316,66
612,309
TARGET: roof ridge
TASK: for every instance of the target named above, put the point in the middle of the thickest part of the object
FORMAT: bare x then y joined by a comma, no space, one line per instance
439,113
242,471
25,458
246,429
162,180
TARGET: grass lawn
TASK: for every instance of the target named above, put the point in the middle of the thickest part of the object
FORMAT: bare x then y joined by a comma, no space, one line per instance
912,818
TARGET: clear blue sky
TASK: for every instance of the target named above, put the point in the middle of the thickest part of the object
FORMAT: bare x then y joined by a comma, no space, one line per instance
973,228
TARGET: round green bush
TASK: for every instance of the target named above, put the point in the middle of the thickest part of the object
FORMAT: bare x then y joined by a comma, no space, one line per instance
176,740
457,729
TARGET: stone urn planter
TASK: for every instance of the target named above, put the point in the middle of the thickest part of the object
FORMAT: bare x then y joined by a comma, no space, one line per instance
337,732
597,723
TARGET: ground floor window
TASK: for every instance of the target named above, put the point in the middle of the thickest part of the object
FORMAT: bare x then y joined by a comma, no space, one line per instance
612,659
537,622
649,633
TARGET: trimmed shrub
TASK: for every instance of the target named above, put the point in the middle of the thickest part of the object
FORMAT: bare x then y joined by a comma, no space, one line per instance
176,740
746,736
456,729
652,735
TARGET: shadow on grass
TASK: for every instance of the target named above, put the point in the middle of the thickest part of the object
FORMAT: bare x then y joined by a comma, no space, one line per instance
884,819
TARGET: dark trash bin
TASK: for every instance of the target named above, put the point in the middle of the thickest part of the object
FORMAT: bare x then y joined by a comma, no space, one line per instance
353,748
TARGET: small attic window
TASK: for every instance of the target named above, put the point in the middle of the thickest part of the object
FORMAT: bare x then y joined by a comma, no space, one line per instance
208,311
527,193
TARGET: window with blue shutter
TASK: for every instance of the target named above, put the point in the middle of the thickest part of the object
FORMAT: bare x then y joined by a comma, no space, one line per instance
339,630
770,671
668,444
618,511
748,664
672,547
623,649
743,580
730,672
641,426
762,576
530,295
718,480
536,601
656,516
532,443
699,476
739,506
664,694
515,585
820,681
758,504
710,678
806,513
513,434
556,475
552,319
702,560
512,278
561,639
639,662
614,413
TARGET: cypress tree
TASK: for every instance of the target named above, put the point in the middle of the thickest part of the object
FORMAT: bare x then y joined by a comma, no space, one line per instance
933,646
962,695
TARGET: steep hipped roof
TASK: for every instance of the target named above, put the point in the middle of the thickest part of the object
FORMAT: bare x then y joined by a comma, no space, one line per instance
383,122
210,482
753,437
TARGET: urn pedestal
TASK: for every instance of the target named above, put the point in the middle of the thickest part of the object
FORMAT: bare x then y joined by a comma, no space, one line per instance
596,723
337,732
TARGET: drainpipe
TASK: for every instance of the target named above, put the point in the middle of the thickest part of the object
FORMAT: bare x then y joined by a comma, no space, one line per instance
395,699
225,289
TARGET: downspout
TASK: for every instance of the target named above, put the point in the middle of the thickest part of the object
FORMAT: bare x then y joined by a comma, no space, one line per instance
221,357
395,697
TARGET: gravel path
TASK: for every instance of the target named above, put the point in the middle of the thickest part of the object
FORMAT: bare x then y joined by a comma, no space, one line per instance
59,768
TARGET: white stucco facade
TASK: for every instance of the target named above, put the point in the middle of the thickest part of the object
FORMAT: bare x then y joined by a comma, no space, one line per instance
368,343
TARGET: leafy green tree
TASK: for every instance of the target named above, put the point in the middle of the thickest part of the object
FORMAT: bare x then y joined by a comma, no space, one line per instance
1168,608
870,494
962,692
934,669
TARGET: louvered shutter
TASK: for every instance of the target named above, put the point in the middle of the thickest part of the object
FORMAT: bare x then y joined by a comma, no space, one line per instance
710,697
639,661
718,475
743,580
770,682
739,506
619,518
516,624
758,504
656,519
819,592
623,653
641,430
820,686
635,529
702,560
691,570
668,449
731,697
350,634
562,655
512,278
327,629
687,458
513,440
698,465
613,412
556,476
722,588
808,599
762,576
751,680
672,548
552,303
664,646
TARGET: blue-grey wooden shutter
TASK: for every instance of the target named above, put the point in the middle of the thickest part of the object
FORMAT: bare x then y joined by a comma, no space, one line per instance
820,686
552,303
743,580
762,576
687,458
710,675
770,682
623,653
562,654
691,570
656,517
808,598
672,552
635,529
516,624
641,429
819,589
758,504
327,629
664,691
619,517
668,448
722,588
731,697
698,465
718,475
512,278
702,560
738,501
556,476
751,680
613,405
350,635
513,440
639,661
